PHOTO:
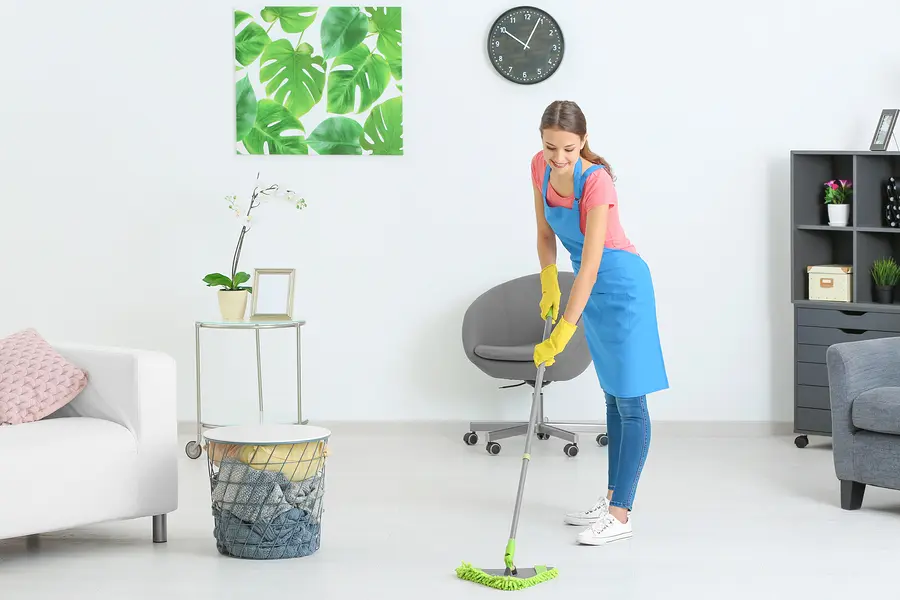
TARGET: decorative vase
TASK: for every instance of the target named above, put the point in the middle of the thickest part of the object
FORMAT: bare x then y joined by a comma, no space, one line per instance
884,294
233,304
838,215
891,204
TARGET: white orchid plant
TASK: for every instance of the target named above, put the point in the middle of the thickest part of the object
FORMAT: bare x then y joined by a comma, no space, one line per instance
262,192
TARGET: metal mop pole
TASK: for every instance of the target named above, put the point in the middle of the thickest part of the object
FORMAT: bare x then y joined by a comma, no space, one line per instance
511,546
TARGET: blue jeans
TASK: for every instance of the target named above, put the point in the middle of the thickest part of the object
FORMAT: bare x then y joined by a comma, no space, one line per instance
628,424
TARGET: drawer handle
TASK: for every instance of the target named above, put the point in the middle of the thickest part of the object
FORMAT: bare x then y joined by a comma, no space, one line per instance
853,331
853,313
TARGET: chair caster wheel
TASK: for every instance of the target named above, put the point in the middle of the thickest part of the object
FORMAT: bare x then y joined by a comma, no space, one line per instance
570,450
603,439
493,448
543,436
801,441
193,449
471,438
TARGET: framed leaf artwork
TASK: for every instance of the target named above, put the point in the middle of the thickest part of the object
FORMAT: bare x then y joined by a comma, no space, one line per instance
320,80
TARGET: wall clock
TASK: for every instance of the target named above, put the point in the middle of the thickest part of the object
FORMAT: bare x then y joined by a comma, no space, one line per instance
525,45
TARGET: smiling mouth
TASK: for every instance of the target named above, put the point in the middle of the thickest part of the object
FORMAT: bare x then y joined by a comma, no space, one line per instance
558,165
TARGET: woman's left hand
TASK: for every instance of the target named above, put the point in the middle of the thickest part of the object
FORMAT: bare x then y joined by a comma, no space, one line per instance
546,351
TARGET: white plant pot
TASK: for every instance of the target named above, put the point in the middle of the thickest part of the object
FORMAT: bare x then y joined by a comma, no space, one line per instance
838,215
233,304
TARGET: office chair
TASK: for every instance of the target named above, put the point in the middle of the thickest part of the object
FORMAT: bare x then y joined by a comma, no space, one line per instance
499,332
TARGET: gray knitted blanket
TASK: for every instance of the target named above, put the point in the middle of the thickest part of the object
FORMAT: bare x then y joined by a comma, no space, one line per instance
255,495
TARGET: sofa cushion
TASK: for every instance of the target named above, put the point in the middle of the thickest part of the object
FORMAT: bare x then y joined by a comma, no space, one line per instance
878,410
35,379
63,472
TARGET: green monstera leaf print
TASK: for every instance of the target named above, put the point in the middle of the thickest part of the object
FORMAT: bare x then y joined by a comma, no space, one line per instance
246,107
383,131
296,77
293,19
356,81
240,16
336,135
343,28
249,42
386,22
276,131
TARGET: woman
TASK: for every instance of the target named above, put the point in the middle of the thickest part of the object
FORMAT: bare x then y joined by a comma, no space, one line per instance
575,200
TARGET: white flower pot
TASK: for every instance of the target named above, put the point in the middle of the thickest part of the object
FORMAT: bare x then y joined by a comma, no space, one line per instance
838,215
233,304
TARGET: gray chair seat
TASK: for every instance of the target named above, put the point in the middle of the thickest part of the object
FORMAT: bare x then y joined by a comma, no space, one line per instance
878,410
522,353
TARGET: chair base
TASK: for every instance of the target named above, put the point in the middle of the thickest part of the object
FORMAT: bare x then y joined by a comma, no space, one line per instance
545,429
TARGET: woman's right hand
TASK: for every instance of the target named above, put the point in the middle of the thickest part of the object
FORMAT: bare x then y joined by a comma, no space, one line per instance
550,292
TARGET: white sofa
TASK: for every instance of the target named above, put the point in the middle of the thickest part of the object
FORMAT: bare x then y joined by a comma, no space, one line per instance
110,454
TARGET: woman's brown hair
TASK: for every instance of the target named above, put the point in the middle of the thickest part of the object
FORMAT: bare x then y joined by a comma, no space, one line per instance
566,116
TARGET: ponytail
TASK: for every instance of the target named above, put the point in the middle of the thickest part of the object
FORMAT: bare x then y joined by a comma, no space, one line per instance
591,156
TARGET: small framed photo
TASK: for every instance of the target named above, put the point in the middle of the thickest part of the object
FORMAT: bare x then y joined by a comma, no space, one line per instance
885,129
273,295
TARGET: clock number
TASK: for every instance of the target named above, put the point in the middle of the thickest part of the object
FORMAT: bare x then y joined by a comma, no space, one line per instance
512,19
550,60
539,71
527,16
524,74
510,68
551,33
500,58
497,44
554,47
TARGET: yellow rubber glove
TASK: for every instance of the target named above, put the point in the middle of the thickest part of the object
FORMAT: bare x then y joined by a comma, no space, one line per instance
550,292
546,351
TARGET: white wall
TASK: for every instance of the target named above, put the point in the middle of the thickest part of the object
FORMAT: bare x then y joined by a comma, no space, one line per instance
118,150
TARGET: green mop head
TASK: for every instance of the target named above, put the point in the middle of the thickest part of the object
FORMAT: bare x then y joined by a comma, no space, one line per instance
498,578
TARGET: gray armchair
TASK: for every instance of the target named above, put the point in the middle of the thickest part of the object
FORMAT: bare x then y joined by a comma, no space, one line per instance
499,332
864,381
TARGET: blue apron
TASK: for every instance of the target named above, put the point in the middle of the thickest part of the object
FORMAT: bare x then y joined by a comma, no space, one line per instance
620,315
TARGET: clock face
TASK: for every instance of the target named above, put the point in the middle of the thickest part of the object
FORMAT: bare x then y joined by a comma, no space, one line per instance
525,45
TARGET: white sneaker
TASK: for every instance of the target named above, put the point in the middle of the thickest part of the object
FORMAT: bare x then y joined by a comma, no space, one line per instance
589,517
606,530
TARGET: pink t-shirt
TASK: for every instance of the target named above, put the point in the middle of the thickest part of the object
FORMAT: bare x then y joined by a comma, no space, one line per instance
598,190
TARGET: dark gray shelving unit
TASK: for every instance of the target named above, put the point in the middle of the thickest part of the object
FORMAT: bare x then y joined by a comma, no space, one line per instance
819,324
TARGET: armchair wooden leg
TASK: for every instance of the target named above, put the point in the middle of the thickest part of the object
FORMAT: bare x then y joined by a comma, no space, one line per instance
852,494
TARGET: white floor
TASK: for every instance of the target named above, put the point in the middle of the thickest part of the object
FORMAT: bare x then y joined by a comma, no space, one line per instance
735,518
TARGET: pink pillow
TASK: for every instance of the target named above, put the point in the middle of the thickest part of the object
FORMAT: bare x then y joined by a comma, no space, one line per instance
35,380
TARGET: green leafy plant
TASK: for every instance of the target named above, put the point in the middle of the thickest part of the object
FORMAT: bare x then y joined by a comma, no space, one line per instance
261,192
886,272
227,283
316,80
838,191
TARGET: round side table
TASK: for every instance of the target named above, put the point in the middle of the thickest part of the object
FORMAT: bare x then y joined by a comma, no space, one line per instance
194,448
267,486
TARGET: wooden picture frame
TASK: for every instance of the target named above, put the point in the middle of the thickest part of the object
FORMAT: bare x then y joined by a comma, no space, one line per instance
272,303
884,131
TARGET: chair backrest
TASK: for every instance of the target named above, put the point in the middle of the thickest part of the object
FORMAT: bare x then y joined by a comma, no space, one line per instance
508,315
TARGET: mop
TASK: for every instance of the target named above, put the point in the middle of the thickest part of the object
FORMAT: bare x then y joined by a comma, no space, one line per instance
512,577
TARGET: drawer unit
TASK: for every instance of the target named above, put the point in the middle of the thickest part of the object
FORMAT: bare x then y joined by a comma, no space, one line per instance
815,329
811,354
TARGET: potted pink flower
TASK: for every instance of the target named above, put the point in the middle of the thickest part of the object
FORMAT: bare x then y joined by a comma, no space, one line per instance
837,198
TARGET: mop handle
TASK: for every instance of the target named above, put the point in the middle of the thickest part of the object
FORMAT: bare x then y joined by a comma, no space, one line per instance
511,546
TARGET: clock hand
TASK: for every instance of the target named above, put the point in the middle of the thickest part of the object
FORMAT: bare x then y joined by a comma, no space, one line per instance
503,30
532,31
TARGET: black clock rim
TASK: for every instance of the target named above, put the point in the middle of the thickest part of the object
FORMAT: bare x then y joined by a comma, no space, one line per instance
505,13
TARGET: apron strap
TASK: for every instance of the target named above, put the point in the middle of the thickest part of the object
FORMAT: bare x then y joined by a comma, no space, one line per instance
546,183
580,179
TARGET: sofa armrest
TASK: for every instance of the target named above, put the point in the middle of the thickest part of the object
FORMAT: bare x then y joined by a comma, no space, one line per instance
854,368
136,389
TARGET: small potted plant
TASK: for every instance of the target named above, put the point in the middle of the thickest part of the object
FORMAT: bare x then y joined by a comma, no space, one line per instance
837,198
886,275
232,291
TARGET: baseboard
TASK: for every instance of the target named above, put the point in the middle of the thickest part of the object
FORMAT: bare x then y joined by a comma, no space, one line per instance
691,429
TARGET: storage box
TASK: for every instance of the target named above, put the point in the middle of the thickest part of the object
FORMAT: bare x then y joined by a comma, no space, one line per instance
832,283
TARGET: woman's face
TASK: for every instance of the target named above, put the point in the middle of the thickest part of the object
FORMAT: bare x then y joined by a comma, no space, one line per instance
561,149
